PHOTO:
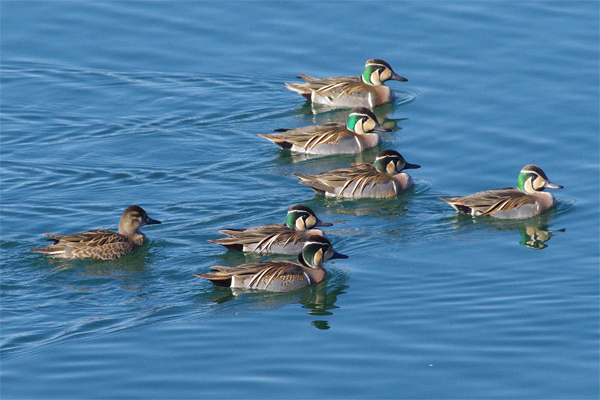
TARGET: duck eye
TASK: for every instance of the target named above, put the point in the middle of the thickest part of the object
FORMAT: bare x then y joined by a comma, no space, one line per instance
538,183
368,124
329,253
385,74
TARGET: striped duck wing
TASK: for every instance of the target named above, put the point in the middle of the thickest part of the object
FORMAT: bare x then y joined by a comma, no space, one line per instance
259,273
311,136
264,238
357,177
333,88
490,201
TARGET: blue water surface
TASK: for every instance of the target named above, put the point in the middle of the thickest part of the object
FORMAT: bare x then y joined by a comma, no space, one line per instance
109,104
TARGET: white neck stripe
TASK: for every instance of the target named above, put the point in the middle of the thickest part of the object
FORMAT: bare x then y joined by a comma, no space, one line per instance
299,211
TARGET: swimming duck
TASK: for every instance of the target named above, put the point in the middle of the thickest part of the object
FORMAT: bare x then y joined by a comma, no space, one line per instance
286,238
278,276
527,200
102,244
367,90
384,178
357,135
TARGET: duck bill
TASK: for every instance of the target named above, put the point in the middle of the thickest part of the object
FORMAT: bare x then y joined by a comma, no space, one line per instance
338,255
550,185
323,223
152,221
396,77
381,128
411,166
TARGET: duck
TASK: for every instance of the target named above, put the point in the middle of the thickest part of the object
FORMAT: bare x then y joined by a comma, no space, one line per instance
286,238
366,90
278,275
102,244
358,134
382,179
527,200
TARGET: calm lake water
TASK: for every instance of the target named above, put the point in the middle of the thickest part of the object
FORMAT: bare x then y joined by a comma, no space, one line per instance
109,104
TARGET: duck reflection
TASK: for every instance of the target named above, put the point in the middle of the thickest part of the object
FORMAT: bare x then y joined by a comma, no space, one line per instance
535,237
324,114
337,160
533,232
318,299
384,208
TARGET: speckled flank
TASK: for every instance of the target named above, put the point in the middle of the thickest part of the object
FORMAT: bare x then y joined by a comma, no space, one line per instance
102,244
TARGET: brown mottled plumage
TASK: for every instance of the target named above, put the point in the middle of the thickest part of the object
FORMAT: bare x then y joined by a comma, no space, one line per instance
101,244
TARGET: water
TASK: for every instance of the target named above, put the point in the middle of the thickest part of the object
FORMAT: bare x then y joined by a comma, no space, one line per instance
110,104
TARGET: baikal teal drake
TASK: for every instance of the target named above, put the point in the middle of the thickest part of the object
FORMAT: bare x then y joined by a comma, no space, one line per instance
382,179
286,238
527,200
102,244
357,135
366,90
278,276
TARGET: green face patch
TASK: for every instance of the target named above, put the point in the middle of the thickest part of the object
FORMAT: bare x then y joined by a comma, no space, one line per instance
521,181
352,121
366,75
290,220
